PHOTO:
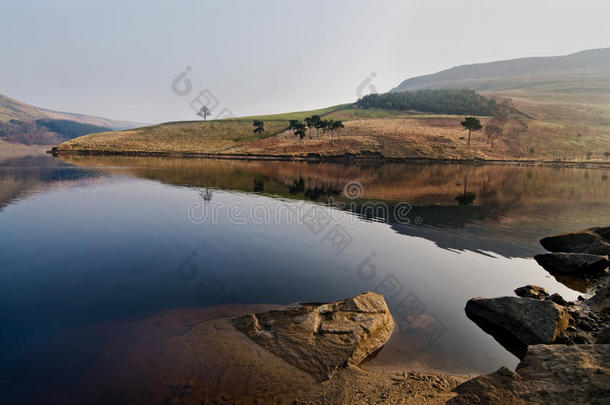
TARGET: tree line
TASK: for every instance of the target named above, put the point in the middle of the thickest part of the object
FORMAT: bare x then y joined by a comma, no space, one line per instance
71,129
443,101
45,131
300,128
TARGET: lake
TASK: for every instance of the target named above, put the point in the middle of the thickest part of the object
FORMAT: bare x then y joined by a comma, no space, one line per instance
90,243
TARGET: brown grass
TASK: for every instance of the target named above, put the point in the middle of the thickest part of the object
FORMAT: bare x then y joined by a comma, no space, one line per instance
573,132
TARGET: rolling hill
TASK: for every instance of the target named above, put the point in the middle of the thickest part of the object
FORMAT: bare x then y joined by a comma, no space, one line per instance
582,76
25,124
561,111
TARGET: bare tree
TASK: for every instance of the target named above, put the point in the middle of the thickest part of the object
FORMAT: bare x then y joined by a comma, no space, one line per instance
495,127
493,130
204,112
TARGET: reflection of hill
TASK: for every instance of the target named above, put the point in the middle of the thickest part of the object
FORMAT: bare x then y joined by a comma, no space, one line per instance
508,207
24,175
478,239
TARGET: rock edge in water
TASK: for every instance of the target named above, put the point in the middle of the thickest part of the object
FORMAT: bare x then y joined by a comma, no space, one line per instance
518,322
321,338
594,241
548,374
563,345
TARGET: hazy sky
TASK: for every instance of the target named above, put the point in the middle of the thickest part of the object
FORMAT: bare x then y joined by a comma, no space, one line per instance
118,58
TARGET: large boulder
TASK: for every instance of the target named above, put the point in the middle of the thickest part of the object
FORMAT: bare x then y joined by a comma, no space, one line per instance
593,241
600,302
555,374
576,264
321,338
603,232
518,322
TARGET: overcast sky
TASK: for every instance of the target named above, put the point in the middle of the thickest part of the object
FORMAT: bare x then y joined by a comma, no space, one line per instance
118,58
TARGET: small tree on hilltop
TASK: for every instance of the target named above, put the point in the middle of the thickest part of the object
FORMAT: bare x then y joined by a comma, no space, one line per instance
318,124
204,112
471,124
334,126
326,126
299,129
309,121
259,128
606,155
292,125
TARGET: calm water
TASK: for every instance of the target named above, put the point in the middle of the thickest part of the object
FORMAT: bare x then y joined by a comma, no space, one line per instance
89,242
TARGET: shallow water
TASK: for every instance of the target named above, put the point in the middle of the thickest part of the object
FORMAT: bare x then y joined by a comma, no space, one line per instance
90,242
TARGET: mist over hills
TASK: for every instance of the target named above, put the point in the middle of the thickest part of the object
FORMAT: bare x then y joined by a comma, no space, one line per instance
26,124
581,76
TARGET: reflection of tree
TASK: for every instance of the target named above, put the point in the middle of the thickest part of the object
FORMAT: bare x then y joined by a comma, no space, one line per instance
312,192
466,198
298,186
206,194
259,184
522,193
320,191
24,175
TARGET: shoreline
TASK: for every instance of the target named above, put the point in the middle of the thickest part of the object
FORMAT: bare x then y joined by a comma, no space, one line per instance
341,158
157,358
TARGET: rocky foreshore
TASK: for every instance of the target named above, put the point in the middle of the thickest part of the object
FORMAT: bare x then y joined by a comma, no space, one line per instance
314,353
563,346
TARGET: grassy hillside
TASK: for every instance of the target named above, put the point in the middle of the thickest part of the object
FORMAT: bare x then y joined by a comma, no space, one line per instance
389,133
297,115
583,74
11,109
568,98
565,103
215,136
25,124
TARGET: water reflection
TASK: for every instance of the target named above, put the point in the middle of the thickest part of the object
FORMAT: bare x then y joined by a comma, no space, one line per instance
466,198
516,204
90,245
21,176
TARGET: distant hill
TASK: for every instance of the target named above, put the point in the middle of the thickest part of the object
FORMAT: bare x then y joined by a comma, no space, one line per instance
26,124
578,77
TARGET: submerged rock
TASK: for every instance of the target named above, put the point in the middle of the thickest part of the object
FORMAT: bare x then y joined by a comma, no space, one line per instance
559,374
532,291
321,338
577,264
593,241
518,322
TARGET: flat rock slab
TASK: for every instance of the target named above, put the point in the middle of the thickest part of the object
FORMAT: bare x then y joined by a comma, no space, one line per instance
549,374
593,241
321,338
576,264
518,322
